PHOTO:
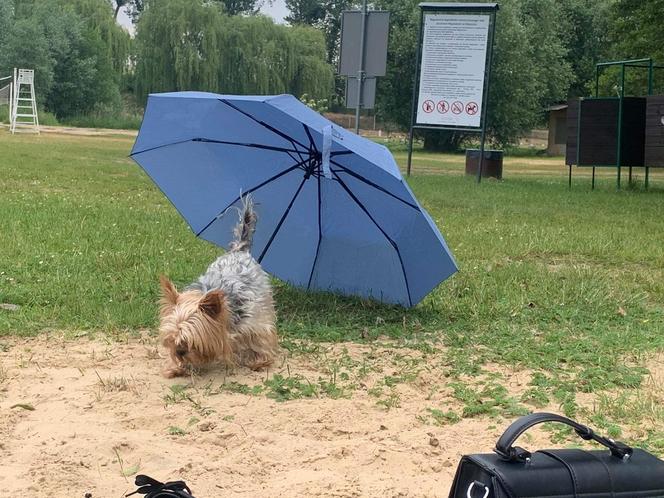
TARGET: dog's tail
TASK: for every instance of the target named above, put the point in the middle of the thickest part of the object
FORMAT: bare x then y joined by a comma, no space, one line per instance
244,230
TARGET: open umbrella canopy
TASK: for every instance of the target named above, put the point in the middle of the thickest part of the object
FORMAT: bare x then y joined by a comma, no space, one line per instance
334,212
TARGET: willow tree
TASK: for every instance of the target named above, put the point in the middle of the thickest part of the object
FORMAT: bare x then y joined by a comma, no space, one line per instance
193,45
100,23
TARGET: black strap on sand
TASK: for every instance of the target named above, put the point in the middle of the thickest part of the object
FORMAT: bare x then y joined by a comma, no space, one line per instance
152,488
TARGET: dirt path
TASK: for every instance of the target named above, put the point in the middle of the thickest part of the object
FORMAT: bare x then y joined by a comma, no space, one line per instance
93,411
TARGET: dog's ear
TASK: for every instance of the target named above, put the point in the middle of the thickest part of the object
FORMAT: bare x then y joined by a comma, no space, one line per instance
212,303
169,296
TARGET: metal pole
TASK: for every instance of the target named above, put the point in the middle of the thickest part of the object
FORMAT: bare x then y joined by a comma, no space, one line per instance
11,99
12,119
650,83
620,114
593,181
485,108
570,176
413,112
647,171
578,136
360,71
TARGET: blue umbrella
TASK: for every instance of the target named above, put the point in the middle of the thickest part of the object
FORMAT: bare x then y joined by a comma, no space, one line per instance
334,212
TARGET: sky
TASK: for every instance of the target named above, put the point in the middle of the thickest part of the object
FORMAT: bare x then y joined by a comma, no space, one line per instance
277,11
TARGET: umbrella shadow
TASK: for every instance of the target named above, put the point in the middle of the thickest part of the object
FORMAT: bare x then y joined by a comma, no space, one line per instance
324,316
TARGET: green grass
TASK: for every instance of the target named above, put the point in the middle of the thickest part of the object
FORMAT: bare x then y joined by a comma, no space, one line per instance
124,120
568,283
118,121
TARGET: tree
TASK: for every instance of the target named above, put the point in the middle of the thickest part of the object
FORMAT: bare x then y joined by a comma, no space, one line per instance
76,49
194,45
237,7
586,28
637,29
6,16
309,12
635,33
26,46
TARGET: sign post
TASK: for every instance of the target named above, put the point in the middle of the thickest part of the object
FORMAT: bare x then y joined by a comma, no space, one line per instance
368,30
453,70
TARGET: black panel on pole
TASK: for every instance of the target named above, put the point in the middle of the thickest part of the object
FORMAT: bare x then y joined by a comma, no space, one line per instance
654,142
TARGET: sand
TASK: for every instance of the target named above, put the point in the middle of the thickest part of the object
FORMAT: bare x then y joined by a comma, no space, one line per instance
102,413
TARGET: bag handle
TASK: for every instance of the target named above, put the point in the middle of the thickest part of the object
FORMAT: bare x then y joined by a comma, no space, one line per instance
505,449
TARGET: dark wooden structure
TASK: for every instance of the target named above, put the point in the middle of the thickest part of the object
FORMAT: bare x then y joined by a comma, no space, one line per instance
654,142
492,165
618,130
592,138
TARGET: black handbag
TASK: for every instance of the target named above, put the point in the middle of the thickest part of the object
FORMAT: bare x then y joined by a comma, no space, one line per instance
512,472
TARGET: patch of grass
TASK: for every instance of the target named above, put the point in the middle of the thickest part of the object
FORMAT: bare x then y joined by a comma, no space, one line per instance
117,384
493,399
176,393
126,471
238,388
392,400
176,431
536,397
114,120
654,442
282,388
441,417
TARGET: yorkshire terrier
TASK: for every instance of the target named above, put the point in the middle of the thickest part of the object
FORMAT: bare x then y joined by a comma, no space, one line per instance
227,315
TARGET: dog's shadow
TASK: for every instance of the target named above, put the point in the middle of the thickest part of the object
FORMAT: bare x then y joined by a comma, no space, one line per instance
324,316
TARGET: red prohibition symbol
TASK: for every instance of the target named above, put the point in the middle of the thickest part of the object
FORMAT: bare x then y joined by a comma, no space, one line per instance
442,106
457,107
471,108
428,106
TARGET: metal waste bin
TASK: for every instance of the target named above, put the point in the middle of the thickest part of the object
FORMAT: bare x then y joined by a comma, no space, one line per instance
492,166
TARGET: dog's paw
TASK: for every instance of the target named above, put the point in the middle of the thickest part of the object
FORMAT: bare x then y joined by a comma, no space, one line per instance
173,371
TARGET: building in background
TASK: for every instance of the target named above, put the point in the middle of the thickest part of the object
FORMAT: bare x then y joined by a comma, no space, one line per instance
557,130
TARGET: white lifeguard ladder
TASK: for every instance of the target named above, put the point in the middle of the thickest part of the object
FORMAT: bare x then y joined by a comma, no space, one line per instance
23,108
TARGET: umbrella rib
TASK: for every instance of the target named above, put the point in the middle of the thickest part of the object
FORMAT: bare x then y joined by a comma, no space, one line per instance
311,139
265,125
253,189
372,184
281,221
208,140
320,238
160,146
243,144
392,243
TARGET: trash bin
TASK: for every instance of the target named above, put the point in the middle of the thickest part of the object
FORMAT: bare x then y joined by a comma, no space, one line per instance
492,166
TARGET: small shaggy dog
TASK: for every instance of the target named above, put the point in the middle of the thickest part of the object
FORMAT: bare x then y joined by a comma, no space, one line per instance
226,315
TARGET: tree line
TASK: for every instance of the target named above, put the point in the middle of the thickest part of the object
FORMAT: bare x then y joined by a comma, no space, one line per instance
545,51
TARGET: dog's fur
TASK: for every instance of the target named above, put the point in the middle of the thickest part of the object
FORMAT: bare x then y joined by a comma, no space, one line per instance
226,315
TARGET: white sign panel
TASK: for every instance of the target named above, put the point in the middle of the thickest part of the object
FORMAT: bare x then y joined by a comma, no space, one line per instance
452,71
